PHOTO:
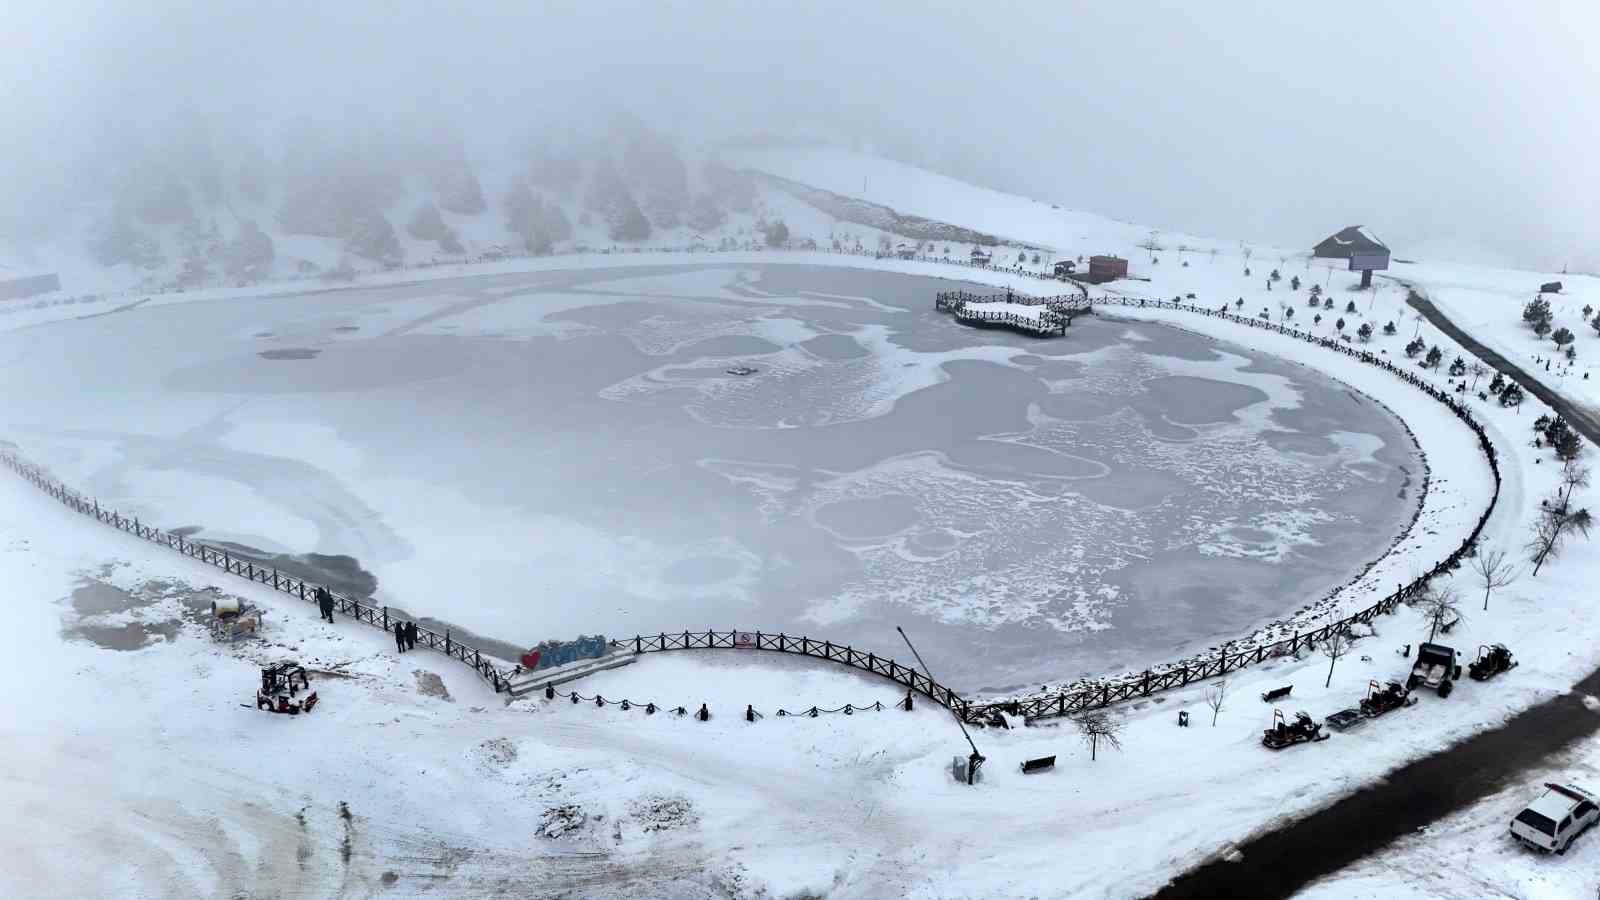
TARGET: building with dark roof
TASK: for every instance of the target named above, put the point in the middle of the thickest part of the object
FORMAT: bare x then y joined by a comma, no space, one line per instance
1358,245
1353,241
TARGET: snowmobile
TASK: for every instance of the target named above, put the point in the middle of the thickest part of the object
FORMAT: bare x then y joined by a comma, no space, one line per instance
280,683
1282,734
1492,660
1391,697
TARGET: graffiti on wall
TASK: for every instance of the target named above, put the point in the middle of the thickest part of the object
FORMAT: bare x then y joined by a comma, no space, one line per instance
549,654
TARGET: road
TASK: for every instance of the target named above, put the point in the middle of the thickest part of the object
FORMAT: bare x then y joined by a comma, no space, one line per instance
1581,417
1282,861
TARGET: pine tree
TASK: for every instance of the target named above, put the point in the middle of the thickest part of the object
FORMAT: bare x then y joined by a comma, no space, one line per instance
1537,310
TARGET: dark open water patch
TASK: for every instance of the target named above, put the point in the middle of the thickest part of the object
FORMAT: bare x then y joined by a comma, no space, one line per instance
342,574
290,353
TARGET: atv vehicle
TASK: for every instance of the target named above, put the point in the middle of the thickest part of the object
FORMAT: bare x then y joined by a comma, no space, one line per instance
1436,667
1282,734
1391,697
1492,660
279,688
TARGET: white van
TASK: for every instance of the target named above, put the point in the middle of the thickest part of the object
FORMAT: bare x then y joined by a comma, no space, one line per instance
1555,818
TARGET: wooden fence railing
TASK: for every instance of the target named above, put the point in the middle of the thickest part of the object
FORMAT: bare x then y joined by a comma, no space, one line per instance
803,646
377,616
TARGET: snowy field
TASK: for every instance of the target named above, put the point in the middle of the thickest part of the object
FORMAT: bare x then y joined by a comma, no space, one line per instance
539,456
850,809
1488,303
464,798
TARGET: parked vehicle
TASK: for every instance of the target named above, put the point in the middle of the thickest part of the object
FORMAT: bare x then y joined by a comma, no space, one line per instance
1391,697
1555,818
1492,660
1282,734
280,684
1436,668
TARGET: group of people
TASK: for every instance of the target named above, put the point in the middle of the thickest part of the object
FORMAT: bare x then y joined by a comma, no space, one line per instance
325,604
405,633
405,636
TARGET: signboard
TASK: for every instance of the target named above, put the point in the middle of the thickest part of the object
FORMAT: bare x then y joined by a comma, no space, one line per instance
744,640
549,654
1366,262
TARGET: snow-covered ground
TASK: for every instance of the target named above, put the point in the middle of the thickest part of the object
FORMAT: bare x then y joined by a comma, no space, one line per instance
136,773
868,796
1488,304
1472,853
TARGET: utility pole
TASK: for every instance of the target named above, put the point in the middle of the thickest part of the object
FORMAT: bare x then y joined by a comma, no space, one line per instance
975,759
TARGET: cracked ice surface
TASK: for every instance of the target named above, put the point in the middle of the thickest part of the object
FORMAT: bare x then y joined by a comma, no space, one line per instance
535,456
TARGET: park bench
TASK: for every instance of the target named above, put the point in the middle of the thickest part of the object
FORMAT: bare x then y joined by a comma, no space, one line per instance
1277,693
1030,766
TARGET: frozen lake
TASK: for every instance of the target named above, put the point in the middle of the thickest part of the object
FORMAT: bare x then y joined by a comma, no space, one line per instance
534,456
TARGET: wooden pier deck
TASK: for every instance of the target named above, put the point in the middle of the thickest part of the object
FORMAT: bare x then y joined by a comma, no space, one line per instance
1054,316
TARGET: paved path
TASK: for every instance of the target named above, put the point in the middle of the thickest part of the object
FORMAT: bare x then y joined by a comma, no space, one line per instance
1280,862
1582,418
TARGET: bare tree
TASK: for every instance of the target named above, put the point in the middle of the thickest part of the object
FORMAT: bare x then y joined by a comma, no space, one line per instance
1478,371
1494,571
1096,725
1440,606
1216,695
1335,645
1555,522
1573,476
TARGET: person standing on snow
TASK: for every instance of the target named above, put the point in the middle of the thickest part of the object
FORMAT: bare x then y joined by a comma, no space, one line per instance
400,637
411,635
325,603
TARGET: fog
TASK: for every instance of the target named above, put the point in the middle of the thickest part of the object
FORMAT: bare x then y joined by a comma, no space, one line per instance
1450,128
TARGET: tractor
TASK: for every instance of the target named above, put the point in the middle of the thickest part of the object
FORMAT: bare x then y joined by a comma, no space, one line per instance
280,684
1436,668
1390,697
1282,734
1492,660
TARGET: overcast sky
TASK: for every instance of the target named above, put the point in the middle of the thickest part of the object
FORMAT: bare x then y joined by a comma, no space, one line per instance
1460,125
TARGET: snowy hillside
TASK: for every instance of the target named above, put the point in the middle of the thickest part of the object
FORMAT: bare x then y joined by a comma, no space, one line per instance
913,191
